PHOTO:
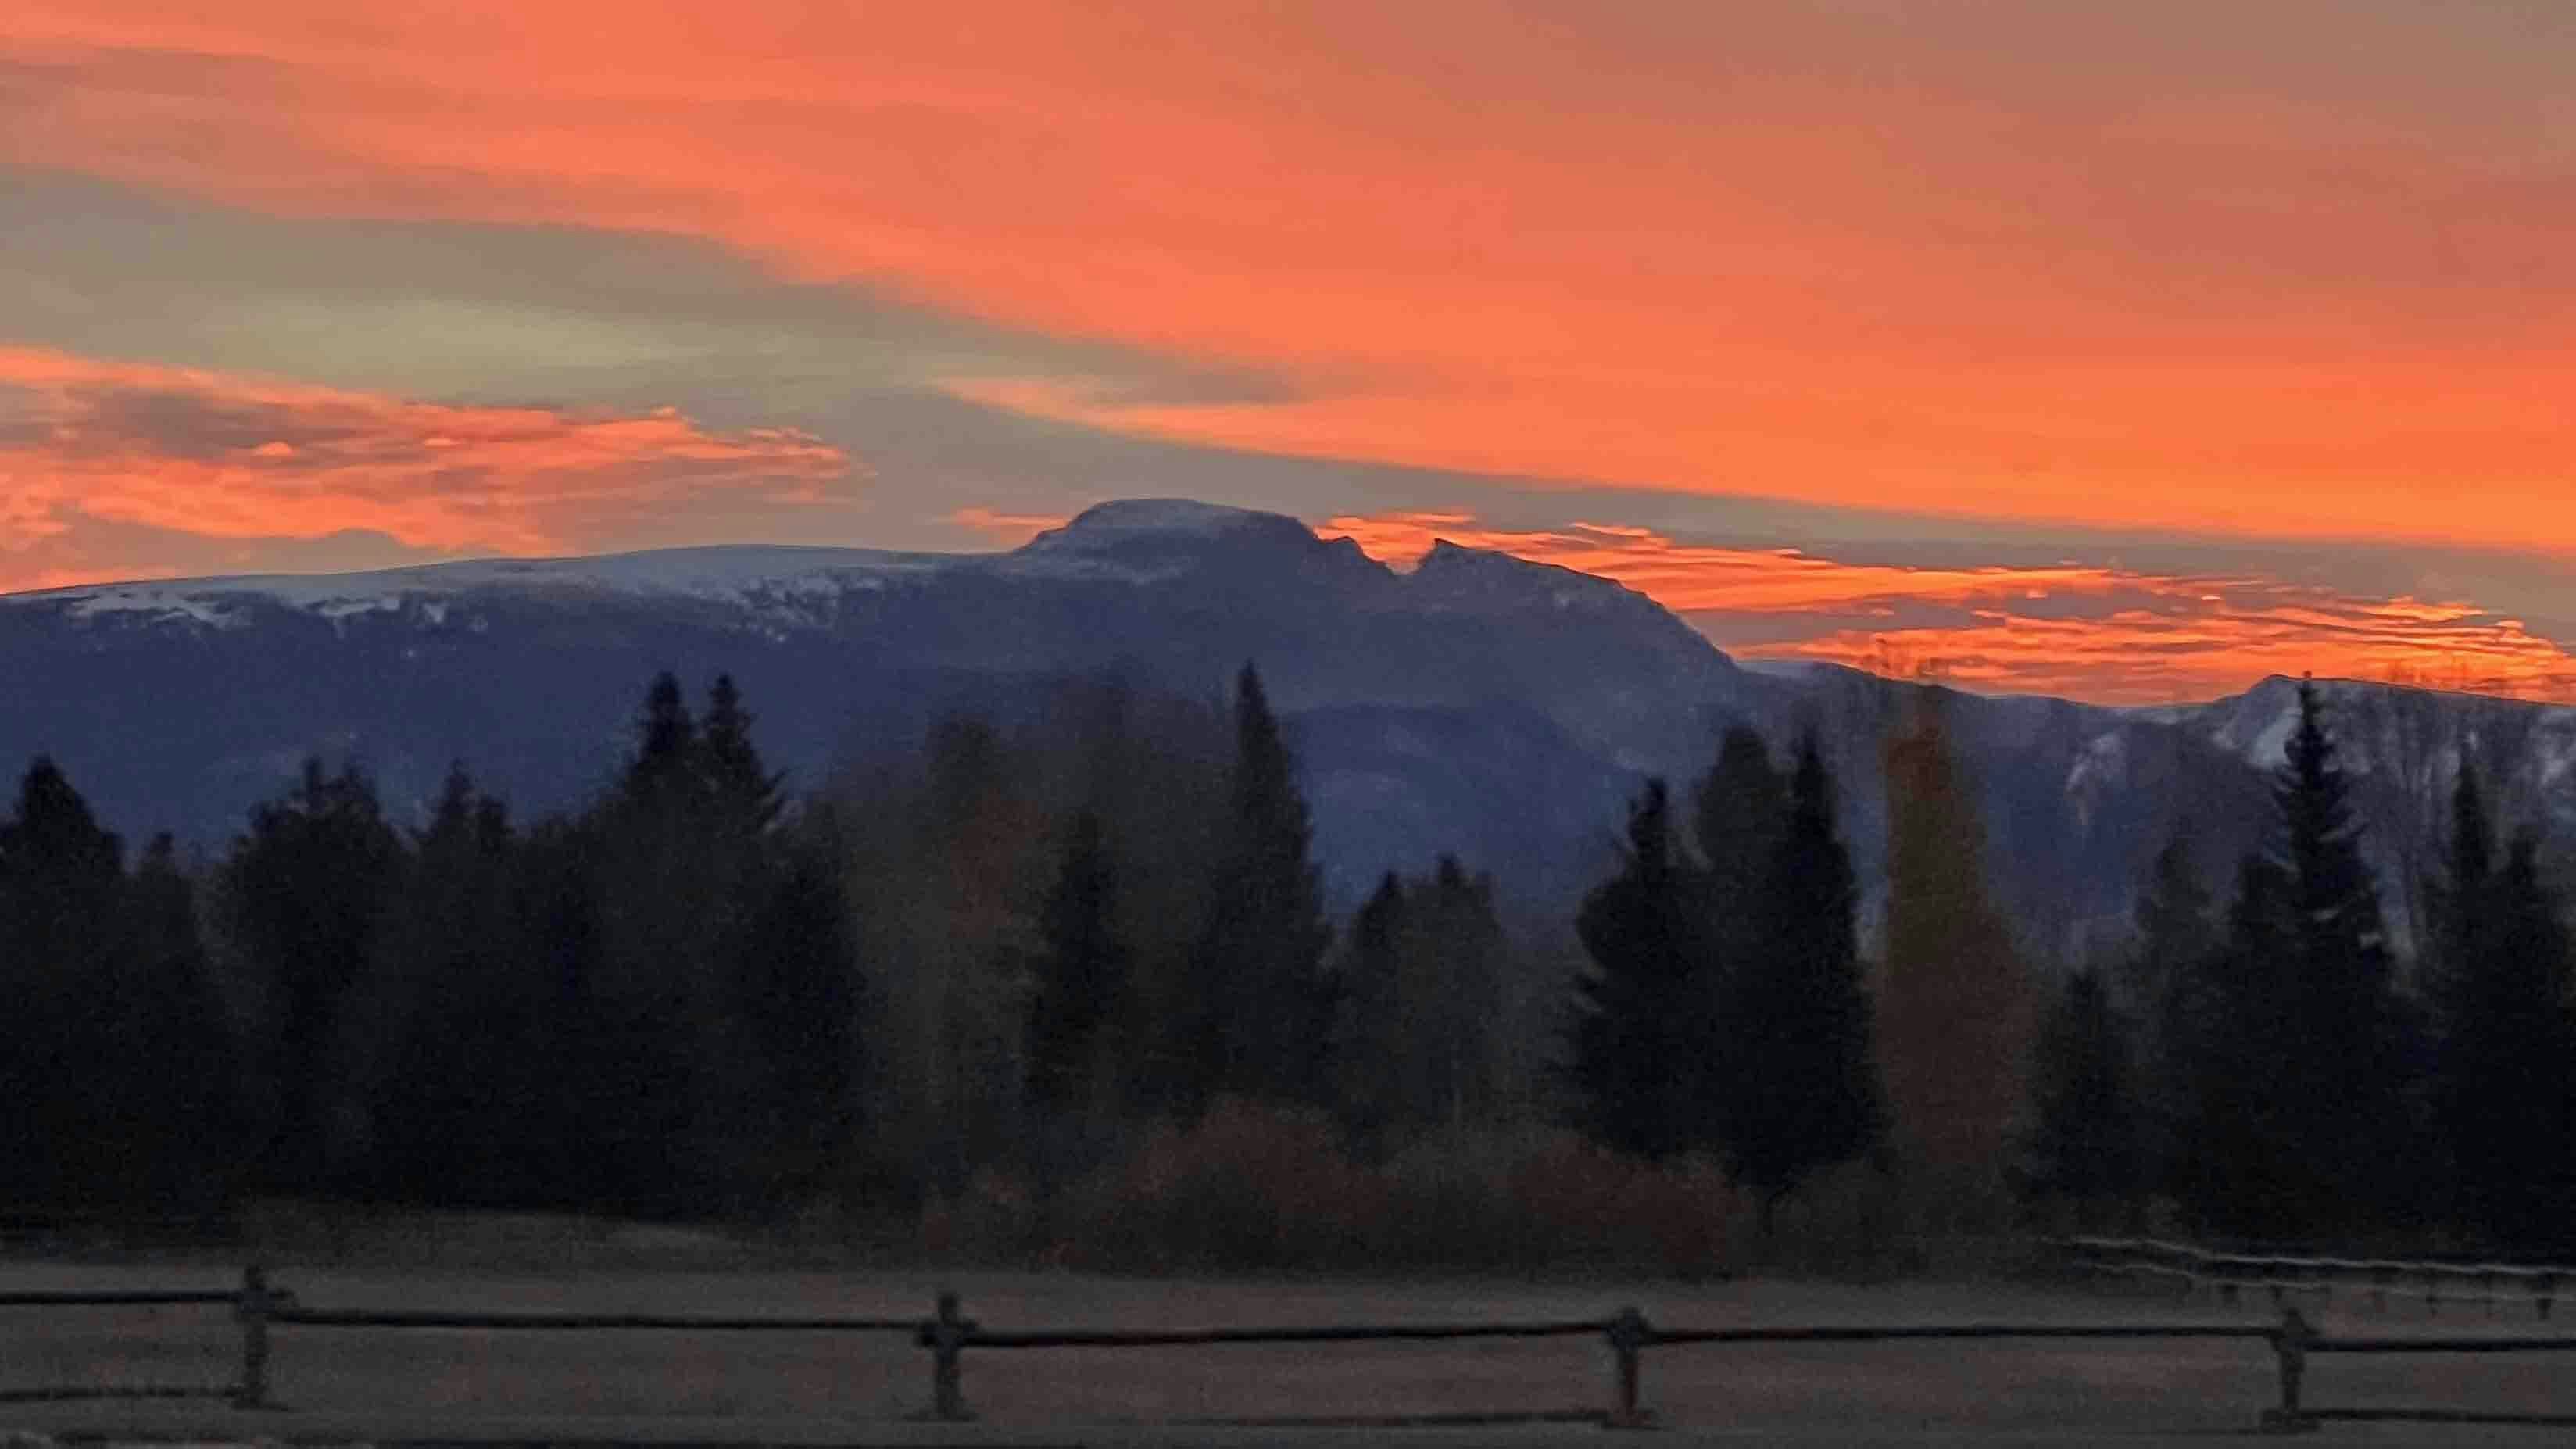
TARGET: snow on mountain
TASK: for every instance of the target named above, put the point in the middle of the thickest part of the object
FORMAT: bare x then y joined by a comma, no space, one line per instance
1478,702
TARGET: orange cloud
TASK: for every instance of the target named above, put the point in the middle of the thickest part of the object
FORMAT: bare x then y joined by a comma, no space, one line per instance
2075,267
85,442
2104,634
1009,530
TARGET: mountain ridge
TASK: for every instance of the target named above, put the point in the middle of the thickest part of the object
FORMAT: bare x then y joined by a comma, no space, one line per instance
180,702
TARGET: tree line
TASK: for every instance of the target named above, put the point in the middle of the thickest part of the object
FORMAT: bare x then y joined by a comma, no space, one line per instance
1016,951
2263,1068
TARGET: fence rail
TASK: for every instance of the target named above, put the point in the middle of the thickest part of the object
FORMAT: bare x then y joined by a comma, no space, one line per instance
258,1307
2281,1275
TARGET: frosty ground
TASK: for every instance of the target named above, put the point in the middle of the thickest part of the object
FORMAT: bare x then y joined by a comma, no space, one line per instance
417,1385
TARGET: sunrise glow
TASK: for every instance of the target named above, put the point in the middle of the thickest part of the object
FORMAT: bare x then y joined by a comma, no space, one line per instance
512,279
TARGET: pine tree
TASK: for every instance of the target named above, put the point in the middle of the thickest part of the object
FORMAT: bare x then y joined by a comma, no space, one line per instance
666,741
1082,969
2239,1169
1741,817
1453,958
2174,943
305,893
1373,1038
1266,1003
1954,1007
2084,1146
2504,1086
748,798
802,999
464,1050
61,883
180,1063
2301,1123
2344,1073
1800,1085
1635,1060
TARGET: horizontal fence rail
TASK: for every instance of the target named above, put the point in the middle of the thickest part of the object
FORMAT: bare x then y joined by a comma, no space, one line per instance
118,1298
136,1298
300,1317
2282,1275
258,1308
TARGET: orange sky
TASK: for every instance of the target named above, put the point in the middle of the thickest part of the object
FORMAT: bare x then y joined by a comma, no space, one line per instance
2293,273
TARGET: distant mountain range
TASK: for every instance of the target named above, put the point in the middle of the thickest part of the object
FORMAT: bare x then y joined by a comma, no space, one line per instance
1480,704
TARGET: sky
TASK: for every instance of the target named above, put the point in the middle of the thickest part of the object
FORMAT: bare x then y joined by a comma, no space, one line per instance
2127,352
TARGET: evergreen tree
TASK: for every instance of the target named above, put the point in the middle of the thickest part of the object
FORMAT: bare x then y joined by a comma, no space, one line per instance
2504,1087
1265,1002
1799,1086
305,894
1635,1060
1082,969
1372,973
2344,1068
461,1014
61,884
2175,940
748,798
802,1002
2084,1146
179,1063
1954,1007
1741,817
569,1123
686,866
1453,958
2239,1169
666,742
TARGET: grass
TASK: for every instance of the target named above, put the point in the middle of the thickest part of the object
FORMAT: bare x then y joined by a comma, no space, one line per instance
423,1383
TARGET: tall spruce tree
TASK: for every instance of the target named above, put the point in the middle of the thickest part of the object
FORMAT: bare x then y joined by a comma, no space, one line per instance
1082,969
2344,1051
179,1061
2238,1169
2504,1087
461,1015
62,878
801,1003
1265,1001
2175,939
1741,816
1636,1059
305,896
1800,1083
1373,1034
2084,1146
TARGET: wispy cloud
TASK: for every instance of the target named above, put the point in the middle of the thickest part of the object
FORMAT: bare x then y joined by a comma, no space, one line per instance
86,443
2080,264
2087,631
1010,530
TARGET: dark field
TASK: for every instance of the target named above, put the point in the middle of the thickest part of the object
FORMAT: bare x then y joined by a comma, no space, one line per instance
428,1384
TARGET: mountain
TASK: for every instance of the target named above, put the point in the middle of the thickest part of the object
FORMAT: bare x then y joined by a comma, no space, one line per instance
1476,703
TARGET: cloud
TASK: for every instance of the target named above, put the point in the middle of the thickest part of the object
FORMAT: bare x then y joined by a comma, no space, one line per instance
87,443
2091,632
1010,530
2084,264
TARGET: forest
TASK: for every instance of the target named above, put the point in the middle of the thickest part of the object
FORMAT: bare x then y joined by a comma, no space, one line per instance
1071,993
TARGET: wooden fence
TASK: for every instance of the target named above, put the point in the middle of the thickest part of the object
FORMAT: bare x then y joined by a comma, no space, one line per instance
258,1307
2282,1276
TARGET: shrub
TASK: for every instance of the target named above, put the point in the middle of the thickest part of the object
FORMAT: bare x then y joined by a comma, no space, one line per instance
1248,1186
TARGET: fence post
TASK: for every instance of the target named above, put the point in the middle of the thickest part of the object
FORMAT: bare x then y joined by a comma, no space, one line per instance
2290,1345
2548,1290
251,1309
1629,1335
945,1336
